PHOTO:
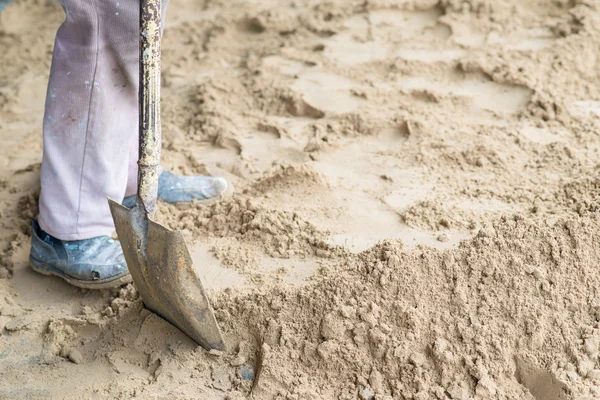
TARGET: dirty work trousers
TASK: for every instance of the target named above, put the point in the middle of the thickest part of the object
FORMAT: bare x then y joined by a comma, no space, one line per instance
91,118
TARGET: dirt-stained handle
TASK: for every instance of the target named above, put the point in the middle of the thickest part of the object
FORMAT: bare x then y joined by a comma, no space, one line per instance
149,103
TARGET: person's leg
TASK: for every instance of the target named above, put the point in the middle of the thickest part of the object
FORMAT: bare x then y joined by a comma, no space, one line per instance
89,123
90,141
90,119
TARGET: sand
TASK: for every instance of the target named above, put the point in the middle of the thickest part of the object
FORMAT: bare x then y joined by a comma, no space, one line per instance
415,213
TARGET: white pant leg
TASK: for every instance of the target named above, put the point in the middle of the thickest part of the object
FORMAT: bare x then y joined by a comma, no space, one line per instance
91,117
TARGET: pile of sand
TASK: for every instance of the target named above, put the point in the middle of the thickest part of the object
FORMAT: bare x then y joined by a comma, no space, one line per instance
415,214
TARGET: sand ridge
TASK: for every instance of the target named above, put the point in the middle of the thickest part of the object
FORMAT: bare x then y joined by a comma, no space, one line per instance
415,214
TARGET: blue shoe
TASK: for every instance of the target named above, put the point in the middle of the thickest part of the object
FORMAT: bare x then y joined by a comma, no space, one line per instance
185,189
96,263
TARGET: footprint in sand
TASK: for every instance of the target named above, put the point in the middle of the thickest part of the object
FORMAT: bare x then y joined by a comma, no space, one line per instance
486,95
388,34
326,92
421,36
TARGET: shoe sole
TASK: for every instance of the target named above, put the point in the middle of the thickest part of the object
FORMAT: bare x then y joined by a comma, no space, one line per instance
46,269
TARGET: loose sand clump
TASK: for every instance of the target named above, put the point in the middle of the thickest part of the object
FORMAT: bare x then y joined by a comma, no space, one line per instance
278,233
289,178
435,216
415,213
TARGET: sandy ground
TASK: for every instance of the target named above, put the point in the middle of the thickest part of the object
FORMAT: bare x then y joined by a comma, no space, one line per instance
415,213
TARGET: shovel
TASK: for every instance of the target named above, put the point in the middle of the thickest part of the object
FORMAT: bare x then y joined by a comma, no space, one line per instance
157,257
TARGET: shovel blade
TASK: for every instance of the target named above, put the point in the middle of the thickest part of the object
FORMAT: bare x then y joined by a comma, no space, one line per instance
165,277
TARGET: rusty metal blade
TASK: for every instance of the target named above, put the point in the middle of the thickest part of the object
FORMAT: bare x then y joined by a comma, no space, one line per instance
163,272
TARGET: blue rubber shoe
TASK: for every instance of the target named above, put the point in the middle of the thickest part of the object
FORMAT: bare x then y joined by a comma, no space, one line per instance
96,263
185,189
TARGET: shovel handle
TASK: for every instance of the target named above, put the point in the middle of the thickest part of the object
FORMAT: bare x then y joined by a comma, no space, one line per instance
149,104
